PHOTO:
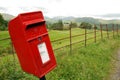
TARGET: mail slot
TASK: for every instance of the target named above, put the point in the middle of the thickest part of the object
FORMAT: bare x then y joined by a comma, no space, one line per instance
32,44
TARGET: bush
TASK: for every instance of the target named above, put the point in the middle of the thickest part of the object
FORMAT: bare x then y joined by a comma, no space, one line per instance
3,23
57,26
73,25
85,25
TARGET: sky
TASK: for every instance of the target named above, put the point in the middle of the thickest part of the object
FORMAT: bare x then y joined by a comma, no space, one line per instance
78,8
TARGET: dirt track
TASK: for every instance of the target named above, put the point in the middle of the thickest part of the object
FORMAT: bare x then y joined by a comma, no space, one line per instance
115,72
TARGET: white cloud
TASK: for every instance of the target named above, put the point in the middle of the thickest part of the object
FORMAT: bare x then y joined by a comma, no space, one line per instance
62,7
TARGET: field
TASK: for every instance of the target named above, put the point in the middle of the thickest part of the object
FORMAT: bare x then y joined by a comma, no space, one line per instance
55,35
90,63
84,63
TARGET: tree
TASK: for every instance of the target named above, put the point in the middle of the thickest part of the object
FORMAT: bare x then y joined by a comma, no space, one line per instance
48,25
73,25
1,19
58,25
85,25
3,23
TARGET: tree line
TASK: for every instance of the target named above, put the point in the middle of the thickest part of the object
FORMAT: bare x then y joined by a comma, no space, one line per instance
59,25
3,23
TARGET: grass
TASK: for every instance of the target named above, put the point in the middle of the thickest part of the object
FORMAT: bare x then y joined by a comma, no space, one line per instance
10,69
55,34
4,34
5,43
90,63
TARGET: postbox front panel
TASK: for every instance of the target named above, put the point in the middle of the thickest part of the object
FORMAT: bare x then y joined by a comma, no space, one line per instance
42,53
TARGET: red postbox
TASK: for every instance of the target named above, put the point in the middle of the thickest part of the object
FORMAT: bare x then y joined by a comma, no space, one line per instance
32,44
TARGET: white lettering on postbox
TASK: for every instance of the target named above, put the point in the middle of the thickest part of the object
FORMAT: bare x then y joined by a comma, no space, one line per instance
43,52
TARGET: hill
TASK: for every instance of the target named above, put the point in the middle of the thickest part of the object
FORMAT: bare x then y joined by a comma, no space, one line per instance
83,19
7,16
71,18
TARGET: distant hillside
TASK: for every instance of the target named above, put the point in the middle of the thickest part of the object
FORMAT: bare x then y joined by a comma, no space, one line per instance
7,16
88,19
71,18
83,19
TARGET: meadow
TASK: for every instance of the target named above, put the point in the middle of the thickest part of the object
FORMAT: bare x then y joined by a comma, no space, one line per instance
55,35
92,62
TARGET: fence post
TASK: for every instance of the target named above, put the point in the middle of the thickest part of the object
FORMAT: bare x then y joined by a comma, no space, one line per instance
95,32
101,31
117,29
107,30
113,30
70,41
85,36
12,50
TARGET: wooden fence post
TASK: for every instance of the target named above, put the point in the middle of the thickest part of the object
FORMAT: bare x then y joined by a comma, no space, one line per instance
117,29
13,53
101,31
85,36
70,40
113,30
107,30
95,33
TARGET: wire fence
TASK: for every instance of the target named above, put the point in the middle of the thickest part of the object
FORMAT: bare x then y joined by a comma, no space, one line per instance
98,32
73,36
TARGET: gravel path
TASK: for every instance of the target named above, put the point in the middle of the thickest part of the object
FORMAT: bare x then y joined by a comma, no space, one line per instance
115,74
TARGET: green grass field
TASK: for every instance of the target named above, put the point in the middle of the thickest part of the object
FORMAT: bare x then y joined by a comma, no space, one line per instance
55,34
90,63
83,63
5,43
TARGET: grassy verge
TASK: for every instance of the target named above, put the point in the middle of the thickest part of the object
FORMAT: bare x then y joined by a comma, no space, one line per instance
90,63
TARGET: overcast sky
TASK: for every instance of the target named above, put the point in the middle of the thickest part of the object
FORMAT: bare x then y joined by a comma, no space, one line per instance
52,8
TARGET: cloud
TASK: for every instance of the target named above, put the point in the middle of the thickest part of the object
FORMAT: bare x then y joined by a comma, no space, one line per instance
51,1
17,10
3,9
28,9
113,15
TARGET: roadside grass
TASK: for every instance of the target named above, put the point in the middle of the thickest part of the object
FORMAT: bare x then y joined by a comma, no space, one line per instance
92,62
10,69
